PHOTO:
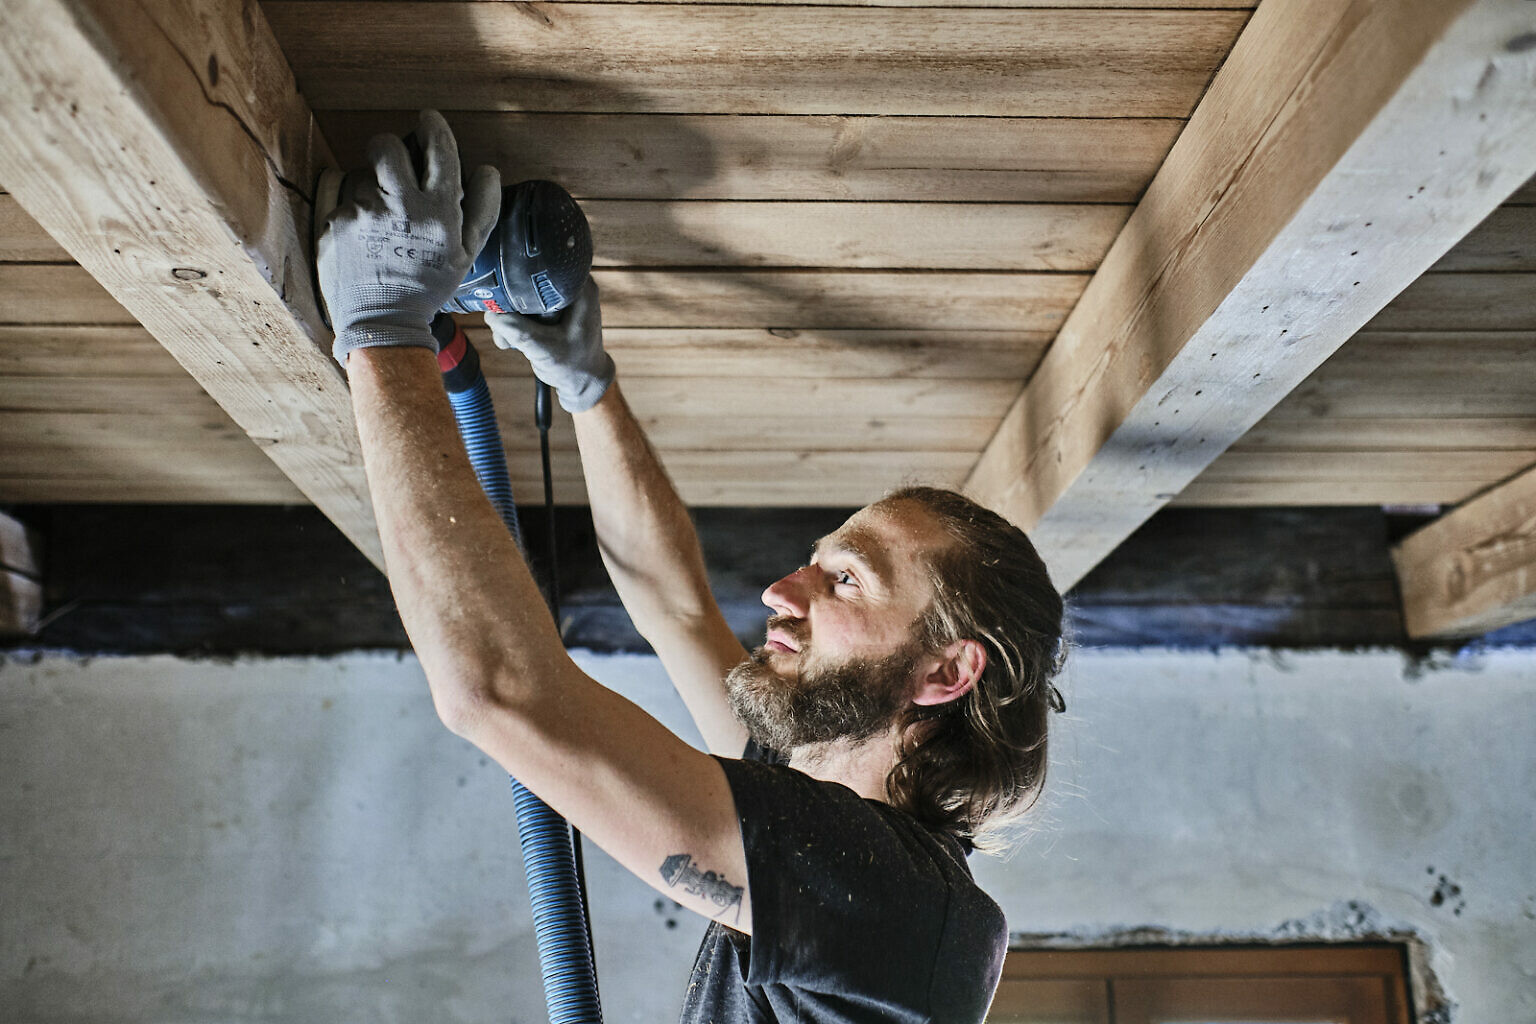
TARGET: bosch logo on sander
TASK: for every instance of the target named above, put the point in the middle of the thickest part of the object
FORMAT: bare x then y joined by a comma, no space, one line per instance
536,259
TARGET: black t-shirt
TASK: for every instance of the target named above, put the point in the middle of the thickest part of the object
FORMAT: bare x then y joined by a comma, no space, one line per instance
859,914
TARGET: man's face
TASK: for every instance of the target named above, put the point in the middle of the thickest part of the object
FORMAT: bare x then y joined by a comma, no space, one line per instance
841,658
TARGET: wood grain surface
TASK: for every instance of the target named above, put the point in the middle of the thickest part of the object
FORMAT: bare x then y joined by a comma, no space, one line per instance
1474,569
751,241
1291,211
23,240
160,143
735,156
807,299
1065,4
876,236
764,59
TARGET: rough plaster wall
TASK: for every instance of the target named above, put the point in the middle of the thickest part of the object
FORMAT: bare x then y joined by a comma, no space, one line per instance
286,840
298,840
1278,797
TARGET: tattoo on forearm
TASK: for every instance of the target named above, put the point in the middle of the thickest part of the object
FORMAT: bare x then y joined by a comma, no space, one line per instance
679,869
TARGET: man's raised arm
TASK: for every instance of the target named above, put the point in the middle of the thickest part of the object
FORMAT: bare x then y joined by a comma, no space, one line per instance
498,673
647,541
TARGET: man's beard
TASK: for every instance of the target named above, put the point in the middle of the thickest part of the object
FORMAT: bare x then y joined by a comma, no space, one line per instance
850,701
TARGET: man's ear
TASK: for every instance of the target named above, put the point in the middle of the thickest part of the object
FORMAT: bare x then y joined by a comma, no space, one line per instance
950,674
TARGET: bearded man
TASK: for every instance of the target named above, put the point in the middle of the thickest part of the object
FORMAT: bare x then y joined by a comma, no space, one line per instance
893,719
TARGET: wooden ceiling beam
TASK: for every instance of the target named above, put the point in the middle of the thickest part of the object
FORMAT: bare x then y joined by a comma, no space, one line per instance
1342,149
165,145
1472,570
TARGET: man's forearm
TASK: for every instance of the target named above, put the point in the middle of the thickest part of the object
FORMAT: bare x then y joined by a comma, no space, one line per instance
647,540
468,602
652,553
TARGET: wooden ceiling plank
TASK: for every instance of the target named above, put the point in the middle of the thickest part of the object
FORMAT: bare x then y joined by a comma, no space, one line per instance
91,430
960,434
784,478
1218,5
1388,390
1462,302
826,400
132,459
1473,569
961,236
1475,468
1505,241
164,145
44,350
138,395
187,489
1346,397
122,351
844,399
178,432
788,477
674,352
56,293
1246,478
1399,344
742,59
838,299
744,157
22,239
1401,432
1429,350
794,299
1296,204
879,236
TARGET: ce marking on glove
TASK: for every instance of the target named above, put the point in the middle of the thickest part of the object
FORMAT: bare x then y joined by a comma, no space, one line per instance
377,245
428,257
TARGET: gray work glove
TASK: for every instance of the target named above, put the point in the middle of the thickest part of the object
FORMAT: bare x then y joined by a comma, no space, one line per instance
568,356
395,249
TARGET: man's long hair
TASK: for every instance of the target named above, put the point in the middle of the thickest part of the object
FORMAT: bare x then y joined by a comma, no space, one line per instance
975,765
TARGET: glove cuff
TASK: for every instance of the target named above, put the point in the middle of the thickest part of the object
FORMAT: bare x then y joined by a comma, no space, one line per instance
381,336
591,389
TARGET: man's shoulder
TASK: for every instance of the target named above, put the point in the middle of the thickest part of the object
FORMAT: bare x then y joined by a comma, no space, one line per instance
853,898
817,820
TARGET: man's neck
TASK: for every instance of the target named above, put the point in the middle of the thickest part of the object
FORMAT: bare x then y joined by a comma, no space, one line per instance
862,767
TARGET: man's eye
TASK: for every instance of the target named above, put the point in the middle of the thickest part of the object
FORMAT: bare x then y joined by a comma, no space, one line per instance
845,578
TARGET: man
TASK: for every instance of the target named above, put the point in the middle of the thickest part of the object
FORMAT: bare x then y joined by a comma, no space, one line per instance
905,673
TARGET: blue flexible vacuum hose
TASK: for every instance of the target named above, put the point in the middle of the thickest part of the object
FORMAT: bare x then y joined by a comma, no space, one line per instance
549,859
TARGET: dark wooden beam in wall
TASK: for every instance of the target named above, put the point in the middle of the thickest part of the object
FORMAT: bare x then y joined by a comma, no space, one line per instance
239,579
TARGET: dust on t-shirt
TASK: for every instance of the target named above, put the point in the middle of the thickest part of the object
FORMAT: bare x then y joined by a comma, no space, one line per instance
859,913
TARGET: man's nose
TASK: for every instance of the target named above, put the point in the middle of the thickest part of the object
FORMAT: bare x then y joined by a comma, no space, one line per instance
788,595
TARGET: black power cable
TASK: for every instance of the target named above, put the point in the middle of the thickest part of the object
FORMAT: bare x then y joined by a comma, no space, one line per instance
543,414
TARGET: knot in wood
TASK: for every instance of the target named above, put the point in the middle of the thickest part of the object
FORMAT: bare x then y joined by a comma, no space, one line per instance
188,274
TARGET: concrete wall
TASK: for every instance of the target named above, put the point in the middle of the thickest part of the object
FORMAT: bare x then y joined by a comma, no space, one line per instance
299,840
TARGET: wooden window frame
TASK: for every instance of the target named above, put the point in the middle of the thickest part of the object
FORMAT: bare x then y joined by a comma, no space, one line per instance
1360,984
